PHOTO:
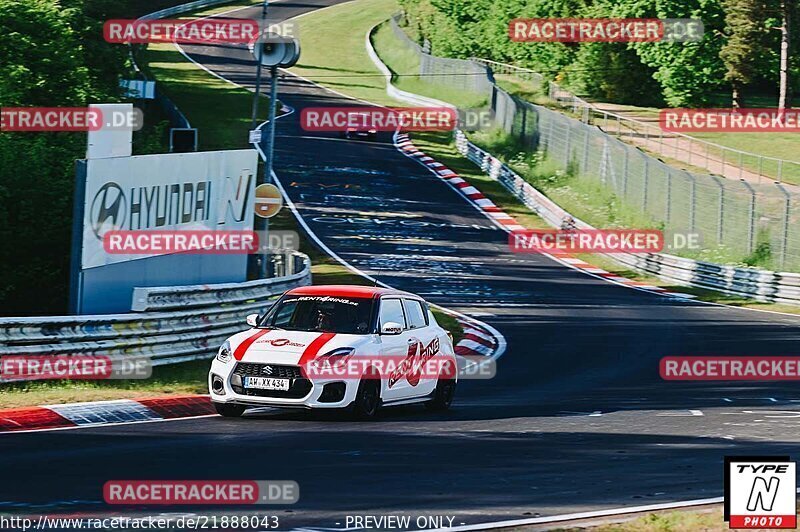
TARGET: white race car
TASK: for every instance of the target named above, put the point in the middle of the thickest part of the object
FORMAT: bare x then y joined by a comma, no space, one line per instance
337,347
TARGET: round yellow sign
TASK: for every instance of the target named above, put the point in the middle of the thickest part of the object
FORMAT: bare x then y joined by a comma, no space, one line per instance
268,201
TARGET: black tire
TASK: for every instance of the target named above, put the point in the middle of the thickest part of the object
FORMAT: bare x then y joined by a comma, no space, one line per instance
442,395
226,410
368,399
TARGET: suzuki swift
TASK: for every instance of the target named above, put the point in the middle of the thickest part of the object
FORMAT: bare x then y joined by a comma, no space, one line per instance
337,347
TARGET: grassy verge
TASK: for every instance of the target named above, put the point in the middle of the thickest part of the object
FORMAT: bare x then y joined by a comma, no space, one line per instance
404,64
671,521
176,379
334,54
590,200
190,88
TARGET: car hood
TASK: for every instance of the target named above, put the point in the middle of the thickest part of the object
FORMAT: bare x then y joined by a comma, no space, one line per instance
288,347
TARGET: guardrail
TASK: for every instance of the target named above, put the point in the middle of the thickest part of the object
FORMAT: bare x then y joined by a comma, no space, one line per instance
169,325
761,285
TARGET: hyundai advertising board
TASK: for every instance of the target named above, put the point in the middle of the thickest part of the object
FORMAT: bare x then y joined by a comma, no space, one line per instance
203,191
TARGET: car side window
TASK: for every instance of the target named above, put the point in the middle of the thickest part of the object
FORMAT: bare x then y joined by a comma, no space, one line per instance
392,310
415,313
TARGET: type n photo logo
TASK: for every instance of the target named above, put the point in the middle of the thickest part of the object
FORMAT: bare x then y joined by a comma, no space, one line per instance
760,492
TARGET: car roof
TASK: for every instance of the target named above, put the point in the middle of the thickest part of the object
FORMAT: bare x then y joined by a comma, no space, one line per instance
354,291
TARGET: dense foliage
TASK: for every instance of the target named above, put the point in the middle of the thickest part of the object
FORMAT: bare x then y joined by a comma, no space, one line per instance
740,46
52,53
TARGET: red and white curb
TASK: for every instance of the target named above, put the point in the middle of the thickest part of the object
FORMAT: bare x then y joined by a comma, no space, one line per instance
508,223
477,340
100,413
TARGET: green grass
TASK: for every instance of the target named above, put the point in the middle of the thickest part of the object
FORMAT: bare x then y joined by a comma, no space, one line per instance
334,54
586,199
595,203
777,145
175,379
189,87
524,89
404,64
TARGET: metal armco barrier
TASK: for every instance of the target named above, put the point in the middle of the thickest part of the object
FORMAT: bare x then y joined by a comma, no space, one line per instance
761,285
177,323
538,128
184,8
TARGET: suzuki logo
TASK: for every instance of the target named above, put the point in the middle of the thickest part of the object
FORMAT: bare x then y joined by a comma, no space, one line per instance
108,204
267,370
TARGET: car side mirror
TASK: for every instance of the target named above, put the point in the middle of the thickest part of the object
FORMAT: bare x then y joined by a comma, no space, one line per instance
252,320
391,327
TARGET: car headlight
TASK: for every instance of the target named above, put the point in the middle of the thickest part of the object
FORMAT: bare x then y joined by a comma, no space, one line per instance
335,358
224,353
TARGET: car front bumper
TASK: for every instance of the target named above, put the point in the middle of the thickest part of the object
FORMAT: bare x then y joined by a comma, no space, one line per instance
302,393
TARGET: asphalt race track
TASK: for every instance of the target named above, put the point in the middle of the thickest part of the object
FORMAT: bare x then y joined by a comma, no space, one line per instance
576,419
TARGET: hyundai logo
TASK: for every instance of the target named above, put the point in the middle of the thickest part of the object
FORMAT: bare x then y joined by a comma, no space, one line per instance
108,207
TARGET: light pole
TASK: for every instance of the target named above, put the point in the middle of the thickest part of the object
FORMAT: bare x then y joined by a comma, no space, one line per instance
258,52
261,225
282,52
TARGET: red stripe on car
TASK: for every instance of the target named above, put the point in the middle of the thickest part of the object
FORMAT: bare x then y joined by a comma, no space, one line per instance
245,345
313,348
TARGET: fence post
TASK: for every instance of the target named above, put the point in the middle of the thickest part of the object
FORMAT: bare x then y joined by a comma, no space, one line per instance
585,161
720,233
567,145
690,150
787,211
751,227
626,150
741,164
692,203
646,182
669,194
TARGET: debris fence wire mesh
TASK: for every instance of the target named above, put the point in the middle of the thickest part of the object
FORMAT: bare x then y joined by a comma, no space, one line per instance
737,215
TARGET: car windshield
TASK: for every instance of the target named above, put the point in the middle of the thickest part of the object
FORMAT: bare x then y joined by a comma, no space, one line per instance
321,313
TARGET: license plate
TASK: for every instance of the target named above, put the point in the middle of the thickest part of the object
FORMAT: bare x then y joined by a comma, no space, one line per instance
266,383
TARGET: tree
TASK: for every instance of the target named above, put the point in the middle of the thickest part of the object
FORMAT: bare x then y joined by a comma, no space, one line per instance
788,9
744,28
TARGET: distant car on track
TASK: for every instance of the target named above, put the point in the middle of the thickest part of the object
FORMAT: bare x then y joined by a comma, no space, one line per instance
337,347
360,126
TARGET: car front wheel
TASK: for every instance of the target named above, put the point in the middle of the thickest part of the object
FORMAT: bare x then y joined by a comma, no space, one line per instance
368,399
